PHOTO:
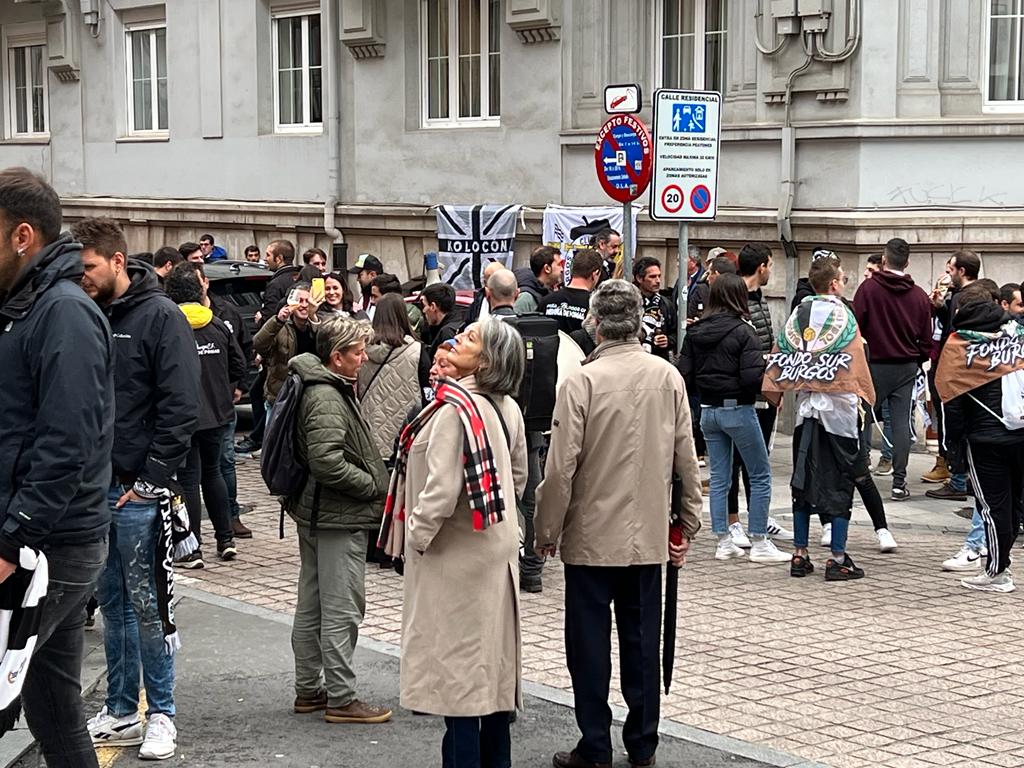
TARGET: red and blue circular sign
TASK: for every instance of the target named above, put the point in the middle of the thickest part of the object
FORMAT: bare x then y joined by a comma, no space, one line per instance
624,158
700,198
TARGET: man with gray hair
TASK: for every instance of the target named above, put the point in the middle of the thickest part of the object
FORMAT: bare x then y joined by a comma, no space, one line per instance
608,512
502,290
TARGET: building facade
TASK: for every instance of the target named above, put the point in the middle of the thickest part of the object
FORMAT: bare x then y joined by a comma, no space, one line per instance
845,122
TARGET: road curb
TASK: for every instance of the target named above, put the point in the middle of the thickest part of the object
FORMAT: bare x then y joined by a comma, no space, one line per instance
558,696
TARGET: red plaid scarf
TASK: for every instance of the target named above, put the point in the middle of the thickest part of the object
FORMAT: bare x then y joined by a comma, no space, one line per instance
483,486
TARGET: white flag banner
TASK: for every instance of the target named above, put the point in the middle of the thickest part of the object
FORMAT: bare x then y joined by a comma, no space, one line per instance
568,228
471,236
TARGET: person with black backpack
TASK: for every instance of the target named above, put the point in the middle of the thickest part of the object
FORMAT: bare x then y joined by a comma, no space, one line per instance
340,503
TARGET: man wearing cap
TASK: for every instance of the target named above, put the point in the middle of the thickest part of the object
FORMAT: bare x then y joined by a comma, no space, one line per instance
366,268
803,285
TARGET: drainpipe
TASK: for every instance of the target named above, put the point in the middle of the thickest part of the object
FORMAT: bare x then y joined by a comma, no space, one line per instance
788,182
339,248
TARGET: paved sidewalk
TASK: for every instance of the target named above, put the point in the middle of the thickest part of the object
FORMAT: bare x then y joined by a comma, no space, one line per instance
902,669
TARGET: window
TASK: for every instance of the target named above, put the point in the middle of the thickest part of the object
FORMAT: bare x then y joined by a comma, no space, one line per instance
1005,86
298,81
25,93
693,44
461,62
146,59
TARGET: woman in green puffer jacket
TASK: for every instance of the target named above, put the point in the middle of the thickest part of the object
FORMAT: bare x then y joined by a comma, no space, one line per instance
340,507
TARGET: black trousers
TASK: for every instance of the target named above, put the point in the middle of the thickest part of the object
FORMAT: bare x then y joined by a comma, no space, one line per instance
997,472
477,742
766,418
259,407
52,694
202,468
867,489
635,591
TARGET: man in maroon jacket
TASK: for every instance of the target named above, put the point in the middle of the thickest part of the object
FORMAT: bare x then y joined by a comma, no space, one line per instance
894,316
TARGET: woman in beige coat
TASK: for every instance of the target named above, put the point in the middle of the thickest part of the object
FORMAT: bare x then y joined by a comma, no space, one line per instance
461,648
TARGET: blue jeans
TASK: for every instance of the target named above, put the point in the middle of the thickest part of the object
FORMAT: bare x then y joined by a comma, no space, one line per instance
724,428
133,634
227,465
976,538
802,528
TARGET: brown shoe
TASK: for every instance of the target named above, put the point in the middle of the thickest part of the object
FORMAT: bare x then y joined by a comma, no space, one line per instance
357,712
705,487
240,530
314,702
573,760
937,474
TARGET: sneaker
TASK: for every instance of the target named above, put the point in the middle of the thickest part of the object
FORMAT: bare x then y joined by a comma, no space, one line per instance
159,742
826,535
240,529
776,531
247,449
937,474
304,704
946,493
702,461
764,551
886,543
739,538
357,712
195,560
883,467
800,566
727,550
1001,583
531,584
105,729
227,550
967,513
844,571
964,560
900,493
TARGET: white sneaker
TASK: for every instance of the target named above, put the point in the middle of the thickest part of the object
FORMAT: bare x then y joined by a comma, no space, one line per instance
727,550
160,736
764,551
964,560
886,543
739,538
105,729
1001,583
776,531
826,535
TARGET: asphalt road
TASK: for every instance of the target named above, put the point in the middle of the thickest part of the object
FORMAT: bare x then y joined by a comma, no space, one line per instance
234,695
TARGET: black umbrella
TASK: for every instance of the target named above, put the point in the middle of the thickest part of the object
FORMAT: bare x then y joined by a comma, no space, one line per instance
668,653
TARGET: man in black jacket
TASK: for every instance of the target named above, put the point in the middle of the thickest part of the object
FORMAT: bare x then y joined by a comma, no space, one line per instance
56,430
659,316
280,258
535,281
443,322
156,378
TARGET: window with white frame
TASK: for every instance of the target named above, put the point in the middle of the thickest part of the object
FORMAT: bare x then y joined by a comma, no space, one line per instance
461,62
1005,86
693,38
298,76
25,81
146,60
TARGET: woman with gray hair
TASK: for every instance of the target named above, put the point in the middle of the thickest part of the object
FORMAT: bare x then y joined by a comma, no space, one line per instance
451,513
341,502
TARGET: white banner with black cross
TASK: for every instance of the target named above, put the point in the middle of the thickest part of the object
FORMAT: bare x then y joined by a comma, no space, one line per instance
471,236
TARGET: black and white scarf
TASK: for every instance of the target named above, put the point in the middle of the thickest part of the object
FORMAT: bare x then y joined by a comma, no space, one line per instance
22,601
176,540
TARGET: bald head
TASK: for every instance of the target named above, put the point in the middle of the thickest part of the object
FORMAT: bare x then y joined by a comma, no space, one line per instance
502,288
491,268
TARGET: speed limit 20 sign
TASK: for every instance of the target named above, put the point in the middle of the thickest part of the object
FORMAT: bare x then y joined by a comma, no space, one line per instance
686,143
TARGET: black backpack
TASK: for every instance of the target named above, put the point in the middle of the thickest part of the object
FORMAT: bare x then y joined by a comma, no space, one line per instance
537,392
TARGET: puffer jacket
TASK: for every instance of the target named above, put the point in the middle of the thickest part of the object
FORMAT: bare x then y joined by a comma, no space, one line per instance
388,388
761,319
334,442
276,344
722,360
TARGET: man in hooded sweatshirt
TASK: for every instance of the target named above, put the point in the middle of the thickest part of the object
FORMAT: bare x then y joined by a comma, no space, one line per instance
156,399
895,319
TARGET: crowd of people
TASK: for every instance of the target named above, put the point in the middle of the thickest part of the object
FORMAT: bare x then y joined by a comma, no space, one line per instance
122,374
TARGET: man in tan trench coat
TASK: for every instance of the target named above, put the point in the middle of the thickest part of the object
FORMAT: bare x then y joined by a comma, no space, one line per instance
621,425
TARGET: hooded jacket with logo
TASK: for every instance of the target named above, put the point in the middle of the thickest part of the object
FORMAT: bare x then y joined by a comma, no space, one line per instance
221,366
232,318
156,378
57,423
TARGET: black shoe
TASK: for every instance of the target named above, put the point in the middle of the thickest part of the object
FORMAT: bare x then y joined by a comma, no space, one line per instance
247,449
845,571
946,492
967,513
900,493
800,566
240,529
90,621
195,560
531,585
227,550
573,760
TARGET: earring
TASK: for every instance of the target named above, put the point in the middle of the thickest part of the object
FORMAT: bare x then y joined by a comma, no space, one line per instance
21,253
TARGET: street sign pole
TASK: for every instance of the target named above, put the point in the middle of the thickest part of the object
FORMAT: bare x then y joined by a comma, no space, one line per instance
627,241
683,297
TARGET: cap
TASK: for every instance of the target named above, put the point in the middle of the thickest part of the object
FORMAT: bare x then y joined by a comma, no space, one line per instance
366,261
714,253
823,253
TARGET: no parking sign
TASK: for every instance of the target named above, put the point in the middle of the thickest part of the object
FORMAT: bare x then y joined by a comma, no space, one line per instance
623,154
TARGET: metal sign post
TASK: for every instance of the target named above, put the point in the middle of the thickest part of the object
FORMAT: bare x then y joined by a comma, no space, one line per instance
627,241
684,281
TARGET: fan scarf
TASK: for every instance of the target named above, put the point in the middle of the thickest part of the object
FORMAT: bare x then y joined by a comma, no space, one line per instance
22,601
820,349
174,541
483,488
971,359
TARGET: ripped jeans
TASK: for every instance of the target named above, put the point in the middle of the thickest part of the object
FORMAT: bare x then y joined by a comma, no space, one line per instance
133,634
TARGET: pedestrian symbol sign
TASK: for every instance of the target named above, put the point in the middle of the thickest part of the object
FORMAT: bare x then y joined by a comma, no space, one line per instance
689,118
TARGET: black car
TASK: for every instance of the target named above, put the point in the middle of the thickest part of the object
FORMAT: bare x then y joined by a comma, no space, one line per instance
240,282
